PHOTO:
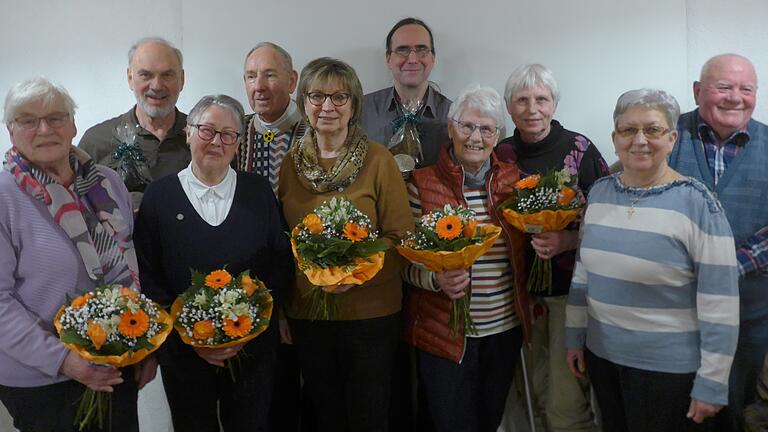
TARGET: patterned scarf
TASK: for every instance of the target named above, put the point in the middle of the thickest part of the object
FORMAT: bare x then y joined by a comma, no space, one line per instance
87,212
344,171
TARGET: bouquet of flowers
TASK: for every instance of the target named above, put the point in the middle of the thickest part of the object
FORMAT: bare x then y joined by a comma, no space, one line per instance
543,203
114,326
335,245
450,239
218,311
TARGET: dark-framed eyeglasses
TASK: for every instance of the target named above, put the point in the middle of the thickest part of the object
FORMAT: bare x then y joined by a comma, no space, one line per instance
467,129
337,99
53,120
650,132
208,133
404,51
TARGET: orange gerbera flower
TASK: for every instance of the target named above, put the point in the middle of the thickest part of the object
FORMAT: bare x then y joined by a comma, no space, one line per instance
218,279
529,182
448,227
470,228
238,328
565,196
81,301
203,330
96,334
127,292
313,223
354,232
133,324
249,285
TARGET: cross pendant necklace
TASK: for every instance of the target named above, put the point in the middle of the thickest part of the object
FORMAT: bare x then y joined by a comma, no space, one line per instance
631,210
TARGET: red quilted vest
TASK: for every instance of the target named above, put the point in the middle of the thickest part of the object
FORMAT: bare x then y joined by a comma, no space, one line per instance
426,312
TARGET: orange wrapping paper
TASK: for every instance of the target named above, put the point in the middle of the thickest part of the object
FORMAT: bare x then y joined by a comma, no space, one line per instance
128,358
461,259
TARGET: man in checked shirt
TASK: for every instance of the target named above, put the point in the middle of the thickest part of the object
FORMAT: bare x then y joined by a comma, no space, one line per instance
722,146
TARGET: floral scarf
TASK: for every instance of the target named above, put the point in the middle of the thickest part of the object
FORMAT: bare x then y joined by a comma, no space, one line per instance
88,214
344,171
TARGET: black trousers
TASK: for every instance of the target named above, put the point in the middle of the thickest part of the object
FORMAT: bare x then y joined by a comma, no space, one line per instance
52,408
200,395
636,400
470,396
347,368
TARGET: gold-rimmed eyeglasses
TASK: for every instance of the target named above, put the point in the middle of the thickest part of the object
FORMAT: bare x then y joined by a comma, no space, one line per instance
650,132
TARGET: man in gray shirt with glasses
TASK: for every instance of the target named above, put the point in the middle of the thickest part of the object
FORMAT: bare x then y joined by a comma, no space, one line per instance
410,57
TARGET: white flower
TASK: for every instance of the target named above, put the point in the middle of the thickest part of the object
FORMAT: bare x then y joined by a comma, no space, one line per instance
200,299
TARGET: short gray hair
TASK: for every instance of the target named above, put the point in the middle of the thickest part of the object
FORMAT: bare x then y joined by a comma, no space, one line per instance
35,89
651,99
530,76
157,40
283,53
227,102
482,98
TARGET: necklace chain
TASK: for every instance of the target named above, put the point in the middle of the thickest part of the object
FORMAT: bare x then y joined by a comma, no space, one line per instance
646,188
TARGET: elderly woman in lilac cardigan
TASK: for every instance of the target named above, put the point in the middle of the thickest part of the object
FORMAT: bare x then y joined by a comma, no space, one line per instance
65,227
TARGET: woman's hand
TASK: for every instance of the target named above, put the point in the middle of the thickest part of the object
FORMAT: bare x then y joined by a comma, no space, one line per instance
341,289
453,283
95,377
551,243
575,360
700,411
145,371
217,356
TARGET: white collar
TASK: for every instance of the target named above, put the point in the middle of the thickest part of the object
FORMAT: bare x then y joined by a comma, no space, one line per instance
200,189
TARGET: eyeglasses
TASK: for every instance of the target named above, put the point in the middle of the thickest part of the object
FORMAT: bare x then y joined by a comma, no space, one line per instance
208,133
467,129
30,122
337,99
404,51
650,132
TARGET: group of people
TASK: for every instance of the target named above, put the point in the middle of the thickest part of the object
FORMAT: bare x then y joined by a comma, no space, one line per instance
655,300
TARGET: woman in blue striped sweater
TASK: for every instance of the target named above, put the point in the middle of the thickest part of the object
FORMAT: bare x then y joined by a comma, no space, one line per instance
653,310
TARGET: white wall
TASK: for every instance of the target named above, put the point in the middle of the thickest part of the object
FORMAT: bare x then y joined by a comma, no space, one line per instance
596,48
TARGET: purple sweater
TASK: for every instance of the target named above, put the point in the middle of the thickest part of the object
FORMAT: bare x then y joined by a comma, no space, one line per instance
39,267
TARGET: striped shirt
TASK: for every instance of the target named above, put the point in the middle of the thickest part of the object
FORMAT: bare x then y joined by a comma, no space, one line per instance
655,284
492,296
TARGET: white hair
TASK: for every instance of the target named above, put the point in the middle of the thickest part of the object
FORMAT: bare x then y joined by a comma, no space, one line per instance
530,76
482,98
35,89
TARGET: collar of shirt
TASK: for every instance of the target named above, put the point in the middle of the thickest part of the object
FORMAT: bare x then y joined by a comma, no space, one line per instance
221,191
429,103
707,135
